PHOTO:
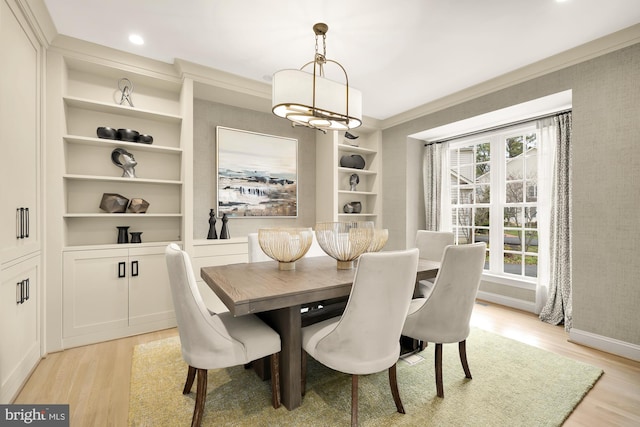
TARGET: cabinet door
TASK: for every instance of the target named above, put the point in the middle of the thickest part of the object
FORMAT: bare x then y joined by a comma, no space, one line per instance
95,291
20,349
149,291
19,121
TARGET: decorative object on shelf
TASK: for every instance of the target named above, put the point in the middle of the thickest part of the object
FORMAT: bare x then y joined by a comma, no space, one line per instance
352,207
123,236
128,135
213,234
113,203
135,237
224,232
353,161
354,180
257,174
138,205
329,105
145,139
380,237
106,132
125,160
344,241
285,245
351,139
126,89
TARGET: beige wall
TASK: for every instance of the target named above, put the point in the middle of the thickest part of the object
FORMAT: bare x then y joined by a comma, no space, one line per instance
606,183
208,115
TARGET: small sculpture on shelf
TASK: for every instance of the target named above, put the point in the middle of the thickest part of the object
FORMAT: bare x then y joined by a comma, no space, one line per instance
124,160
212,225
135,237
354,180
126,89
351,139
113,203
138,205
224,232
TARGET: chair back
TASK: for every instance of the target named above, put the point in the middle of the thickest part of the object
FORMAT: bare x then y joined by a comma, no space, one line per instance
367,337
204,338
445,316
432,243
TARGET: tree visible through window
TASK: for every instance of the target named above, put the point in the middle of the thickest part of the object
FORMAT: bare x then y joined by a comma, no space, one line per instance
494,193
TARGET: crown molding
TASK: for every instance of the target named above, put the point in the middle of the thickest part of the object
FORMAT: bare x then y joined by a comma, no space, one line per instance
612,42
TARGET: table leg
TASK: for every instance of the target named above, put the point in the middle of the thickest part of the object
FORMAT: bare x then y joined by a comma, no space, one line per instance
287,322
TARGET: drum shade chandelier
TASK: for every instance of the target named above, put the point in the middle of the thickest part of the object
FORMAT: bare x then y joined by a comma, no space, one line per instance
311,100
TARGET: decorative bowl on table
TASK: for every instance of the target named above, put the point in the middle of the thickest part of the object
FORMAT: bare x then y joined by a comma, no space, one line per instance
380,237
344,241
285,245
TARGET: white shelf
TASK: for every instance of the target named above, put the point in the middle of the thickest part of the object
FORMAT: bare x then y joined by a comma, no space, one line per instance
354,149
98,142
122,215
358,193
361,215
103,107
358,171
121,179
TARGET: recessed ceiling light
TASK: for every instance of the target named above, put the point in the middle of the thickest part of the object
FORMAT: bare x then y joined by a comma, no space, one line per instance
136,39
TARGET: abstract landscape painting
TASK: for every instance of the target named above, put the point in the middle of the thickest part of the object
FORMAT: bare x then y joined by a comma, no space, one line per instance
257,174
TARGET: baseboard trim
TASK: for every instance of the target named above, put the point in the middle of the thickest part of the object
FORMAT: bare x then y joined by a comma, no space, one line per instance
507,301
610,345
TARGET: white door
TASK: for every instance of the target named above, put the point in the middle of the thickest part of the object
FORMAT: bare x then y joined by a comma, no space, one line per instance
96,295
149,291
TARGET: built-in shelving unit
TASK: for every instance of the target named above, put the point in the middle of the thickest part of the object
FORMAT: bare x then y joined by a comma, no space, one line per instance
92,100
333,180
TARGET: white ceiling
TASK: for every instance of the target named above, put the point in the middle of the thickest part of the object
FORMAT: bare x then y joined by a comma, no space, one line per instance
400,54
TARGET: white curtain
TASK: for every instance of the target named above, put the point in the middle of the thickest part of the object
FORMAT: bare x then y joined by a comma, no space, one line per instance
558,308
435,194
546,161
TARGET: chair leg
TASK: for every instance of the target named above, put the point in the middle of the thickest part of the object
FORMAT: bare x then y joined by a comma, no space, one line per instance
201,397
275,380
439,386
303,377
191,375
462,349
354,400
393,383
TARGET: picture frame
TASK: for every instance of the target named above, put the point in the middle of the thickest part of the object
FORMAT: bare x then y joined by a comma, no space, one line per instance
256,174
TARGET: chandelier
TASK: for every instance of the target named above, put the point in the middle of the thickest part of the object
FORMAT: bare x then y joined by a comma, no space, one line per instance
311,100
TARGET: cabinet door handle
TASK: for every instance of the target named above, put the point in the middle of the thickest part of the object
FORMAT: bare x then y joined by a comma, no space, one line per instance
26,223
19,291
134,268
27,288
18,223
22,223
122,269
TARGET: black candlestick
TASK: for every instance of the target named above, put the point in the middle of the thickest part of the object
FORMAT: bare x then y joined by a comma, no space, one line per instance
224,233
212,225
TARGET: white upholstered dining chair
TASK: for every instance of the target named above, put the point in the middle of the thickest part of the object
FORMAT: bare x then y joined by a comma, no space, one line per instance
443,317
366,338
431,245
213,341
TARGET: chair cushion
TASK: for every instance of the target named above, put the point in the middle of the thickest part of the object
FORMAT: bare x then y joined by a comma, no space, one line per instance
258,339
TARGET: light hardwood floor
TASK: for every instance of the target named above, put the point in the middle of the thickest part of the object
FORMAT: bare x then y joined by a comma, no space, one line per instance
94,380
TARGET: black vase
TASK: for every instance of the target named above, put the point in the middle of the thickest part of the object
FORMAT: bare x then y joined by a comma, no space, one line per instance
354,161
135,237
123,236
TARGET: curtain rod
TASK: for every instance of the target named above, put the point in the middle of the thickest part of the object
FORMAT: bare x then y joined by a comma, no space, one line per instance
493,128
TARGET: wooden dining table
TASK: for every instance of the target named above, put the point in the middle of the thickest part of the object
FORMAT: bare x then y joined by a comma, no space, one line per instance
277,297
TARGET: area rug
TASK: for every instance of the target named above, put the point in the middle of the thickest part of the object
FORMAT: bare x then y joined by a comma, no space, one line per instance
513,384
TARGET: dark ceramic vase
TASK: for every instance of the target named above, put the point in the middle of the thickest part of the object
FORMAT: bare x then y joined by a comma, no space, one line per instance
135,237
123,236
354,161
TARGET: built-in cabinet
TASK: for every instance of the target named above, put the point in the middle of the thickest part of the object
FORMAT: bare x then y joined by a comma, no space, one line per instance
20,243
112,288
336,198
114,292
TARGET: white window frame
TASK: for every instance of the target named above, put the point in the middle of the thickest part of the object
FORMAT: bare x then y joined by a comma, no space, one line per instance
497,204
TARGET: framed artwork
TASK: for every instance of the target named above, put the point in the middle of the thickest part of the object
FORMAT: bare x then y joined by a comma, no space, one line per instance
257,174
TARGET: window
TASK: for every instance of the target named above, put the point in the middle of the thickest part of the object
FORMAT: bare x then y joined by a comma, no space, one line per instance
494,192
